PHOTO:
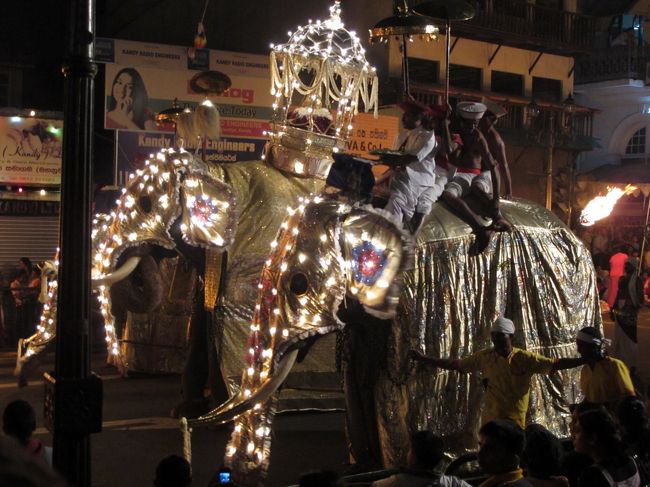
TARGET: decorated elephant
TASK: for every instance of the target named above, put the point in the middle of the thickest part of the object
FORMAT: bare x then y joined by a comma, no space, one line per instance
221,217
329,255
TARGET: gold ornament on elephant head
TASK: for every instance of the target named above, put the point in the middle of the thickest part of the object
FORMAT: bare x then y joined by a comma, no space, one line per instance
319,79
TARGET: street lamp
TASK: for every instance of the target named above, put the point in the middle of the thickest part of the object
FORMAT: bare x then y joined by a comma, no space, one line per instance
548,130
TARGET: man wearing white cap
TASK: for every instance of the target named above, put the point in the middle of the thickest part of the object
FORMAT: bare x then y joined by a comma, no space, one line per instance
470,159
507,372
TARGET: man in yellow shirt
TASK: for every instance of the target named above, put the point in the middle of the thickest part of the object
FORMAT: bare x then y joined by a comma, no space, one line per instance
603,380
507,372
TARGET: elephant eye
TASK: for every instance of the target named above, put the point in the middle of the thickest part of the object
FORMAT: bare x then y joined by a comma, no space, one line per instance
145,203
299,284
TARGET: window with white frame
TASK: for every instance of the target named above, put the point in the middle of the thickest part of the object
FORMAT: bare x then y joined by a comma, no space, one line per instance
636,144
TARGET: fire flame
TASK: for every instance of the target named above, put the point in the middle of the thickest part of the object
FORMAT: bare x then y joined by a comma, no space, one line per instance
601,206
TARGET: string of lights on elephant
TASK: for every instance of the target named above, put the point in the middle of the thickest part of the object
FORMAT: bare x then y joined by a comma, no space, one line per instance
172,185
46,328
324,250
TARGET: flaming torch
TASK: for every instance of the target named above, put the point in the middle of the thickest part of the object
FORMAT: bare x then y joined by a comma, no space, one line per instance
601,206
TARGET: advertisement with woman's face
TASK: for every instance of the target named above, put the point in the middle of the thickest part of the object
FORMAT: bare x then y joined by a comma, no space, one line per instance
127,106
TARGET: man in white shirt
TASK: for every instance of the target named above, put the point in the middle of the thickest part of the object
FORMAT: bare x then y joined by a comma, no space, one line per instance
425,454
412,188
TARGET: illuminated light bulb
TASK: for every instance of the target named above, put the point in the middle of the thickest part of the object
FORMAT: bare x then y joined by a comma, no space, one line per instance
274,244
354,290
257,406
272,330
260,431
295,231
330,282
247,393
302,258
238,428
382,283
251,371
250,448
260,286
264,374
132,236
299,167
285,333
268,262
371,295
283,267
323,238
274,292
231,451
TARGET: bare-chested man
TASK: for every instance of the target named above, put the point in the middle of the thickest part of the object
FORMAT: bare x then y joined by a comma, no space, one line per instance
495,143
477,172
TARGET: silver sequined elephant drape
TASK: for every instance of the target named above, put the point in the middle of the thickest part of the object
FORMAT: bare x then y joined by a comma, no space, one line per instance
540,275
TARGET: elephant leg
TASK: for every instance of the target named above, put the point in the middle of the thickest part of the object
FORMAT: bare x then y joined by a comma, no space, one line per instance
201,366
359,379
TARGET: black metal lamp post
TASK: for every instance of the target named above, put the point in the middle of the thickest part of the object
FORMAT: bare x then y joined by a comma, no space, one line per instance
73,396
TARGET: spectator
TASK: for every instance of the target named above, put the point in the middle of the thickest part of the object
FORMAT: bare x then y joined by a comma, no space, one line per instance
599,245
616,271
633,420
543,456
322,478
603,380
173,471
424,456
595,434
19,422
626,310
501,443
19,468
645,280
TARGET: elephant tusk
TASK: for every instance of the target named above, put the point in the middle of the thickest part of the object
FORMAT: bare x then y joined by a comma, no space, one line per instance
122,273
232,408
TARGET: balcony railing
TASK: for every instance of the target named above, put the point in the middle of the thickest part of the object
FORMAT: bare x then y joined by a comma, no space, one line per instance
523,24
571,130
620,62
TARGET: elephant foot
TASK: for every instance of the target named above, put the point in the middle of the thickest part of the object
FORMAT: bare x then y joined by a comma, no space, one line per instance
191,409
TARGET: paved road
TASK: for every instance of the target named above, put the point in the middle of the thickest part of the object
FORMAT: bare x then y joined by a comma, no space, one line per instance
138,431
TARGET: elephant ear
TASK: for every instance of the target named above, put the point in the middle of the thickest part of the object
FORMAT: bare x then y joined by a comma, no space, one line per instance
209,216
377,251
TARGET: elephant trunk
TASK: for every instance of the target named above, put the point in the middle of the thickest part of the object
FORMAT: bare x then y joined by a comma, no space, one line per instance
239,404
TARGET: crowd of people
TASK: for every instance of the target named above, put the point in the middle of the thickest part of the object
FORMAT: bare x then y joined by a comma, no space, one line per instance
21,309
623,280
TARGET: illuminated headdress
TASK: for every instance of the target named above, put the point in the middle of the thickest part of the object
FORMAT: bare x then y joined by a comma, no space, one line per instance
318,78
